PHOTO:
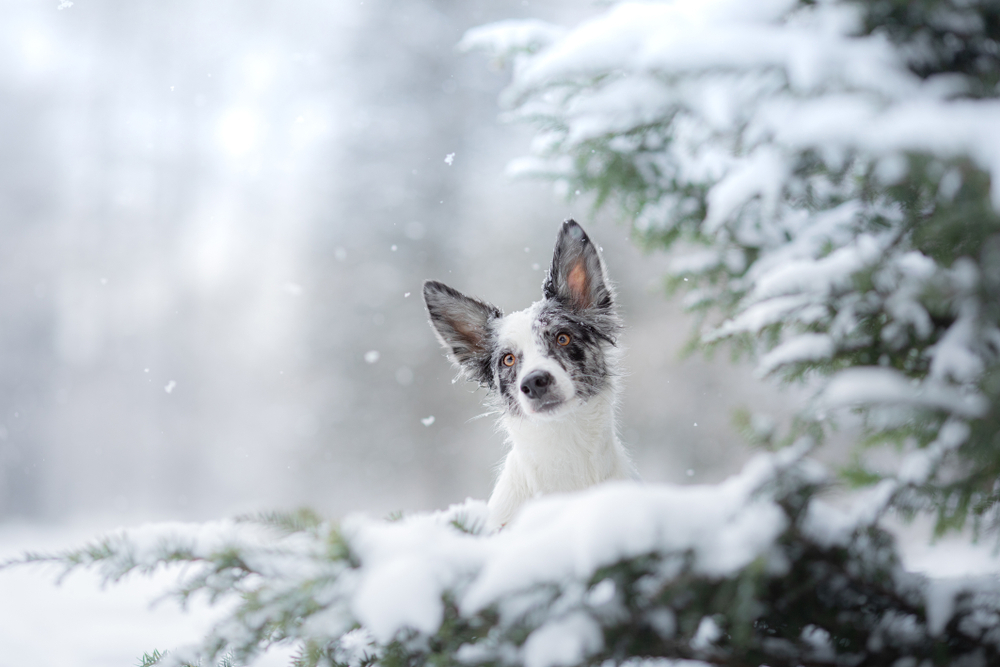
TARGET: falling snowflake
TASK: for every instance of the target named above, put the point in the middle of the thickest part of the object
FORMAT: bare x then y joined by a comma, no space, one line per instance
427,421
449,158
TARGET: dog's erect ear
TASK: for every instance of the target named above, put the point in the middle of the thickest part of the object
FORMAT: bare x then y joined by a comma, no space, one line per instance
462,325
577,277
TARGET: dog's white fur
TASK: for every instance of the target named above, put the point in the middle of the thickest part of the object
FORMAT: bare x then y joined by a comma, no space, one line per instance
571,449
561,431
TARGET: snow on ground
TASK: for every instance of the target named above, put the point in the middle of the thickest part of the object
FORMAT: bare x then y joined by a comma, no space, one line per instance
80,623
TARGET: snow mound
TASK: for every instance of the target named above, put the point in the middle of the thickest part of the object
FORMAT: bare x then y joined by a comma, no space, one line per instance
706,572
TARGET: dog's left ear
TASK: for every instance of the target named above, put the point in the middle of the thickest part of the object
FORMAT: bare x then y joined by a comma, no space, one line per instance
577,277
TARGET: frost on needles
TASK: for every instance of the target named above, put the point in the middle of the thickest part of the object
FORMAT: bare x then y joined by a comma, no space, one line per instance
826,176
755,570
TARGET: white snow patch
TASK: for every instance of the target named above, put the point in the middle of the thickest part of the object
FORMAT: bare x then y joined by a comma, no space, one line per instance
768,312
885,386
574,534
708,633
918,465
762,174
804,347
830,525
504,38
407,565
564,641
821,276
99,625
954,356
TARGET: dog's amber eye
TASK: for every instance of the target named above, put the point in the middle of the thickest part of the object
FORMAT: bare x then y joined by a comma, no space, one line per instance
508,360
563,339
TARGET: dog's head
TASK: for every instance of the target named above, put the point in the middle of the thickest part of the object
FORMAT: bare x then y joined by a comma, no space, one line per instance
544,360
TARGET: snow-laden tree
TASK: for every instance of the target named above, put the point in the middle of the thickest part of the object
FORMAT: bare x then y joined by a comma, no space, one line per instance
752,571
826,176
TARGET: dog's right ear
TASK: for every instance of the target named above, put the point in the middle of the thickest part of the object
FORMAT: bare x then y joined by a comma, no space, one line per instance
462,324
577,277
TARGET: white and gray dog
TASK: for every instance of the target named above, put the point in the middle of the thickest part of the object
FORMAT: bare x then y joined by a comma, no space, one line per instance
552,371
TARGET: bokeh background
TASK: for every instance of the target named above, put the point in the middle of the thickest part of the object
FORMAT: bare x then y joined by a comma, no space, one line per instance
215,218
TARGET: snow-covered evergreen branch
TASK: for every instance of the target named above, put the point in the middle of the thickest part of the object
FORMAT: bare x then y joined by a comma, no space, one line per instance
754,570
827,176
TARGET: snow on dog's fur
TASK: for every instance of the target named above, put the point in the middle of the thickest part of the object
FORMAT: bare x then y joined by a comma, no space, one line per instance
551,370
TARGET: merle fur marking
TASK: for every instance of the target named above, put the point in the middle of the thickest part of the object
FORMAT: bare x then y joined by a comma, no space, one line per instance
584,357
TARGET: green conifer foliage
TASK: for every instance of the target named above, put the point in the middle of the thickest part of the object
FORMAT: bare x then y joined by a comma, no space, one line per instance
777,577
826,176
940,37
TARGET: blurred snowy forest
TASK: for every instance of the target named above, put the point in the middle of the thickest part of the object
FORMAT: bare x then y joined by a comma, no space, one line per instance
211,212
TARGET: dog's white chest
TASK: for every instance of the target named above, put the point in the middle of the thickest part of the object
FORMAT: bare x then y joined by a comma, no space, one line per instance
559,456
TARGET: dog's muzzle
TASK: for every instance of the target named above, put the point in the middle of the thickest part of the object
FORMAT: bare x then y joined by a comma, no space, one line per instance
535,384
539,388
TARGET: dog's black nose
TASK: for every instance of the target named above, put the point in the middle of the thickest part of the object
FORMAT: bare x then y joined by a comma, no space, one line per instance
536,383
